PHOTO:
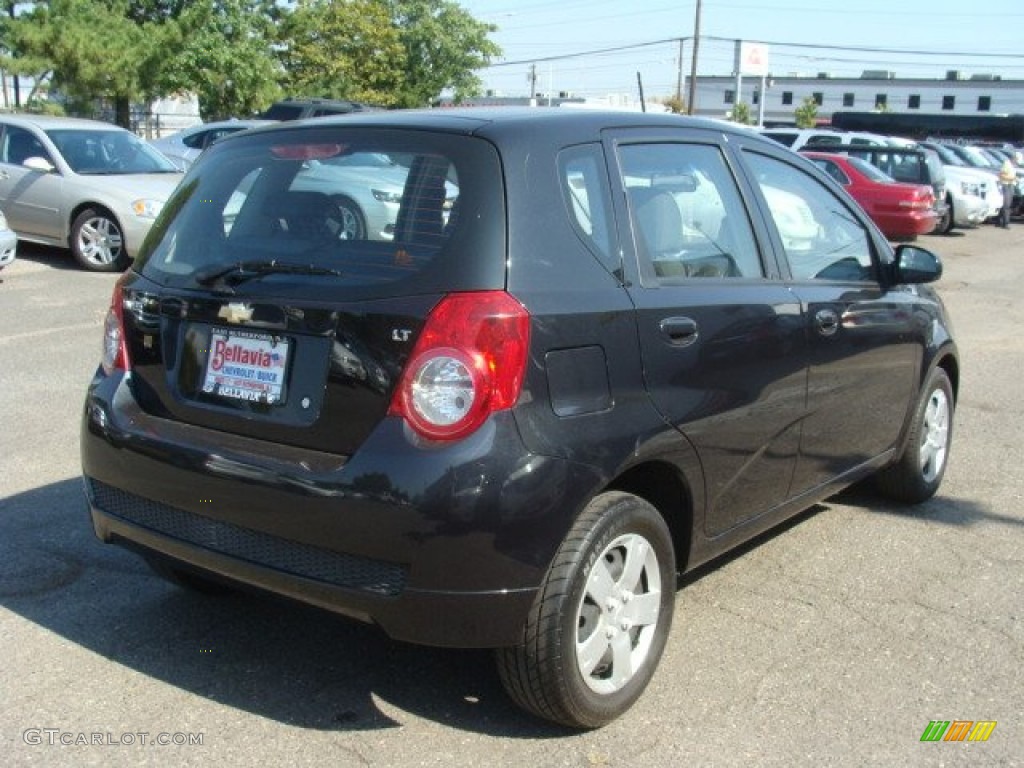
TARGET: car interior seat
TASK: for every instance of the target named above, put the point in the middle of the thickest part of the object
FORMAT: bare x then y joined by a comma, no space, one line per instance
303,215
660,226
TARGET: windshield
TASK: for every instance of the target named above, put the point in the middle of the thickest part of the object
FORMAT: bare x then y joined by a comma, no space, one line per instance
978,158
105,152
949,157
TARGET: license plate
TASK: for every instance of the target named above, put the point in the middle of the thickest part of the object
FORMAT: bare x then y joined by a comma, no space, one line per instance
244,365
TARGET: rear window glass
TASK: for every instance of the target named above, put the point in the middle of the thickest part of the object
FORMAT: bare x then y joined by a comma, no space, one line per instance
284,112
383,211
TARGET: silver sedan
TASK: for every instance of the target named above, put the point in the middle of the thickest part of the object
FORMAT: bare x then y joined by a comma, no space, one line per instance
81,184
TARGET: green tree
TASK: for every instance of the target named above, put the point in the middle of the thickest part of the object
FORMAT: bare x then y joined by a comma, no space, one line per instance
14,60
348,50
225,57
96,50
807,113
741,113
443,44
675,104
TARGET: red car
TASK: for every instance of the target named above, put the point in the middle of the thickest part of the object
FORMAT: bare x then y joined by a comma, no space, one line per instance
901,211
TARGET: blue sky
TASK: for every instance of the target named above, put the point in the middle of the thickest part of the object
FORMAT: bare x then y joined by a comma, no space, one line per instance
530,29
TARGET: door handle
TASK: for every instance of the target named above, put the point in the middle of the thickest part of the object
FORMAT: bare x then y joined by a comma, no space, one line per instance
681,331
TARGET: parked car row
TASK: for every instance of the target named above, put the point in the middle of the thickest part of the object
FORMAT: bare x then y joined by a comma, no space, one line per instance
963,179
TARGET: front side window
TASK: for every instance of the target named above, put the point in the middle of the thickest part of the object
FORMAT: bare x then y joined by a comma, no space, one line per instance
19,145
688,217
822,238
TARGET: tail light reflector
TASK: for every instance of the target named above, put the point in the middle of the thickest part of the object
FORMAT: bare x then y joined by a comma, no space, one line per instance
115,350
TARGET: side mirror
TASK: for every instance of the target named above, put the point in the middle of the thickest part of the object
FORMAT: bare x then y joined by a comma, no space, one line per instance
916,265
36,163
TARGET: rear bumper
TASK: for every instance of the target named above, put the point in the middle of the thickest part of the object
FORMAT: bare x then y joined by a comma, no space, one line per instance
907,224
437,545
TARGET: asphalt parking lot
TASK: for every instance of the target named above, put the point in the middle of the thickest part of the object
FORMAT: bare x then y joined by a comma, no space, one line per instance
835,640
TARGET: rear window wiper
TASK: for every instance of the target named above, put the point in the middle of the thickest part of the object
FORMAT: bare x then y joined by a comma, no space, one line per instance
233,274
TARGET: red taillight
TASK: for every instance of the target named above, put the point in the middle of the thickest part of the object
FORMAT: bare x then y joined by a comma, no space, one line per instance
468,362
115,351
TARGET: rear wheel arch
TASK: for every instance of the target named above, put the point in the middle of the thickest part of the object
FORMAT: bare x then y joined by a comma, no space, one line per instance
665,488
951,366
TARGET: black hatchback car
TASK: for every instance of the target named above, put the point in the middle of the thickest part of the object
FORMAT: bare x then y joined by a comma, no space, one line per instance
595,351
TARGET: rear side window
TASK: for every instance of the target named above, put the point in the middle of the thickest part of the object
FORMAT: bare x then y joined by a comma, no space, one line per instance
688,218
386,211
585,191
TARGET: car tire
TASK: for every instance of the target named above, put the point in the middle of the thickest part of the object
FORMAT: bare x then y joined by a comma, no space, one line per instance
352,223
186,579
599,623
916,476
950,220
945,224
97,241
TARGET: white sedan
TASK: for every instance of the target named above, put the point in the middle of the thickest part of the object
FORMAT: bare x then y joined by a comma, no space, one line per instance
184,147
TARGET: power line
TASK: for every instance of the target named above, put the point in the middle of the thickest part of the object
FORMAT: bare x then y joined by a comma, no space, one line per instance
813,46
595,52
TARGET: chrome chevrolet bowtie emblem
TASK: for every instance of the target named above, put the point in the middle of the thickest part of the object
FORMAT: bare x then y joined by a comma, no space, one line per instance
235,312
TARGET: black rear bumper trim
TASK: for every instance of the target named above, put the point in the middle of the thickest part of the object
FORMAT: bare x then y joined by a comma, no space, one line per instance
339,569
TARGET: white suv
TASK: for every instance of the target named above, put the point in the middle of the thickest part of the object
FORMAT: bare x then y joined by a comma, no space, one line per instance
822,138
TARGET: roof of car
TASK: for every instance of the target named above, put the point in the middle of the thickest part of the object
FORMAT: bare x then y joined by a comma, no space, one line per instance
47,122
501,119
236,122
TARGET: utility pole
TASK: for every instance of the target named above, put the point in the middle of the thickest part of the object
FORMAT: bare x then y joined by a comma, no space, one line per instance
17,81
693,67
533,85
679,73
738,71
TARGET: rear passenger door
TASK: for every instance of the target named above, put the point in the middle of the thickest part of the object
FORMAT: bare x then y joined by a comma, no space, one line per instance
865,345
721,336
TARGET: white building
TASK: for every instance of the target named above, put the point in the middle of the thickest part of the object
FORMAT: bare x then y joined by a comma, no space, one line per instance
956,94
